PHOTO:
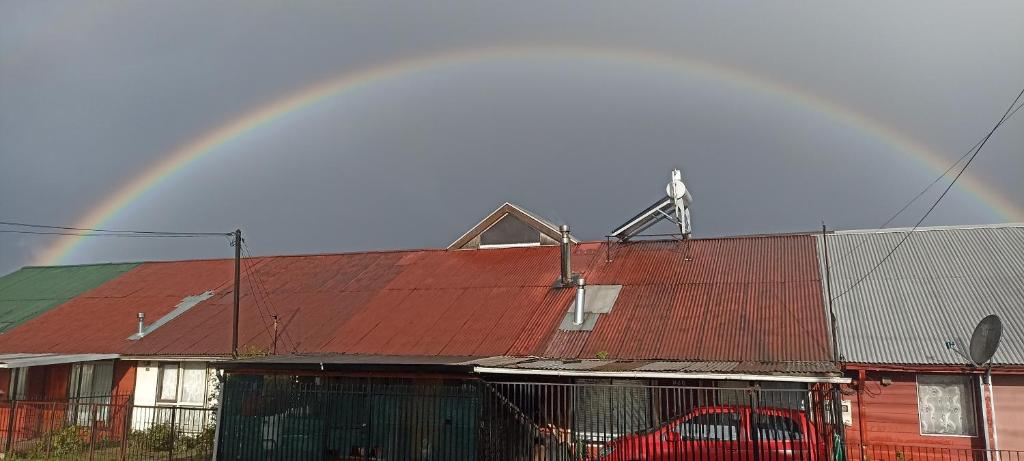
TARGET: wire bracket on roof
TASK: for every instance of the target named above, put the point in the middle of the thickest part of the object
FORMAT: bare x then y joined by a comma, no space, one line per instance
674,207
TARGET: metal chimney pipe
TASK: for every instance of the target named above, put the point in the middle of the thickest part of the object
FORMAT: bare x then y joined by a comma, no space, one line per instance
566,266
142,322
581,301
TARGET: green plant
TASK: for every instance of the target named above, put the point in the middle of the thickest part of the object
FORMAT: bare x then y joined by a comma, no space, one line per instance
900,456
198,443
59,443
159,437
602,355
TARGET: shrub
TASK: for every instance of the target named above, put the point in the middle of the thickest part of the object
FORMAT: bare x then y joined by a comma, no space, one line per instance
158,437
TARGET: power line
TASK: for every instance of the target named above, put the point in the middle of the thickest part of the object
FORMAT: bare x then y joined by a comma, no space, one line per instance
255,297
266,293
905,206
113,231
84,234
1009,111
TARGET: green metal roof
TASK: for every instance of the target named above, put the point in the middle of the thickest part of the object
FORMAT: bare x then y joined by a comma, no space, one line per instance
33,290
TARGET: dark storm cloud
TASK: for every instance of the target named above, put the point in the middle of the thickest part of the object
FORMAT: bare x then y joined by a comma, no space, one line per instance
92,93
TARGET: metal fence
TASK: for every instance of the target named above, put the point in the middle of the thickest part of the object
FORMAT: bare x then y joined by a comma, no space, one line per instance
310,418
321,418
105,429
875,452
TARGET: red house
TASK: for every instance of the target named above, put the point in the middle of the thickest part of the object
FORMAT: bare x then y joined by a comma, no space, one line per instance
903,331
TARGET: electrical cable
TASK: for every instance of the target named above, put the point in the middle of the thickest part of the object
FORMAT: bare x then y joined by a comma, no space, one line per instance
261,286
256,302
85,229
1006,114
843,256
81,234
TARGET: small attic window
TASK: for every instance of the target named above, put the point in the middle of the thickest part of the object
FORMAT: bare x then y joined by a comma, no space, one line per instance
509,226
509,231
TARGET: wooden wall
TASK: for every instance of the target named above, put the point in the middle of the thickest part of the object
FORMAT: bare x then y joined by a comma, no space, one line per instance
890,415
1009,409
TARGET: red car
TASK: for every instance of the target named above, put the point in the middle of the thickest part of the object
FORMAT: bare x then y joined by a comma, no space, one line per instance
723,433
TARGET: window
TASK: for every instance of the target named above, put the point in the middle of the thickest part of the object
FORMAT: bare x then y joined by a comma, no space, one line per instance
90,387
777,427
19,380
711,426
509,231
945,405
183,383
606,408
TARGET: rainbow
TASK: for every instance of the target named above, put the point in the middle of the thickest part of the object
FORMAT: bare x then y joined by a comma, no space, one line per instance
348,83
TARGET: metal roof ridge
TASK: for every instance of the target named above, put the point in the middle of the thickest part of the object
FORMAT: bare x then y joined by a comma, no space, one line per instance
1005,225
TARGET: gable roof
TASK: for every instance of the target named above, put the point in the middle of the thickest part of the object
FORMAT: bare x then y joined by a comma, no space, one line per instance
933,289
542,225
101,320
31,291
750,299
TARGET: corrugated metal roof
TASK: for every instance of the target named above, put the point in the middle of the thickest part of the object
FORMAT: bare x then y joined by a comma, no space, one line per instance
31,291
934,289
35,360
102,319
752,299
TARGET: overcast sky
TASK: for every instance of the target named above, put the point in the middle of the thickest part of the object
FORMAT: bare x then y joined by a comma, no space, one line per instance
94,93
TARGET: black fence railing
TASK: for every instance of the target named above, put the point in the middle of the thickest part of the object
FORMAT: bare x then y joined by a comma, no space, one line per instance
112,430
320,418
875,452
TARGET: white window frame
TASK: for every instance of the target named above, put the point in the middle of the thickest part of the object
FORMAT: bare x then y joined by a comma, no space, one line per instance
972,403
180,384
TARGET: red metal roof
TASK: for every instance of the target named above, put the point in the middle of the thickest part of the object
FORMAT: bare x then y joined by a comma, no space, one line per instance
734,299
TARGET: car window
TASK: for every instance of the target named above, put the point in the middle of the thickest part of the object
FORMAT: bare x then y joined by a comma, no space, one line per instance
777,427
710,426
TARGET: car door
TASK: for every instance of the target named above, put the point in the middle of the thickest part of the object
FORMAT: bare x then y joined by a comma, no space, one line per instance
780,436
712,434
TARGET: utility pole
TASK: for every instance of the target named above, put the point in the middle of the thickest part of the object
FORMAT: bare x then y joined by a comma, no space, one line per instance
238,275
275,334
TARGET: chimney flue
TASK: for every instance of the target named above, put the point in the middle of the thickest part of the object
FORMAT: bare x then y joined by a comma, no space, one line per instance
566,266
581,300
142,323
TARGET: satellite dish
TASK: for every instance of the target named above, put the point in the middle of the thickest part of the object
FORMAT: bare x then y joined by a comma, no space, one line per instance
985,339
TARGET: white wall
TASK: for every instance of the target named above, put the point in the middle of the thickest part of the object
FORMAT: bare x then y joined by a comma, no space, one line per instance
149,412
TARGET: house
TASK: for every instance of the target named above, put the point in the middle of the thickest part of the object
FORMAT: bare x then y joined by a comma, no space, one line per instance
516,333
408,354
71,363
903,332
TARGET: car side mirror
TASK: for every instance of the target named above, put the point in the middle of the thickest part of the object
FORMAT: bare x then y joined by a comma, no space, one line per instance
671,436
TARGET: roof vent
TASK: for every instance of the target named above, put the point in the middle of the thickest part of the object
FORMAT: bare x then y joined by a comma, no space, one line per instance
674,207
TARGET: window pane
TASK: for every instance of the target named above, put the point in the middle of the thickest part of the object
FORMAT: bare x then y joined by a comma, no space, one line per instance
610,408
20,383
193,383
85,381
945,405
711,426
76,373
102,379
777,427
168,382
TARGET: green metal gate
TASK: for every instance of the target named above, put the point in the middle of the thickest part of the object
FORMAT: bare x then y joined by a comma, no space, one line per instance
309,418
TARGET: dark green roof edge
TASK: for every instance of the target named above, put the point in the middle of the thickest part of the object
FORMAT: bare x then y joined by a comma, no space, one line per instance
31,291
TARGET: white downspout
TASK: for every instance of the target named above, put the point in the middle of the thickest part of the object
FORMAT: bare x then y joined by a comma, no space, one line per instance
984,416
992,399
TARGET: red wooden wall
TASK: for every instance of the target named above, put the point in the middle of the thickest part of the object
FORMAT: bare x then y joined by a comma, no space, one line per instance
890,416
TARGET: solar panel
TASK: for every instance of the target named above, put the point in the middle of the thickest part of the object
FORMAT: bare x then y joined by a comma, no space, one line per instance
673,207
